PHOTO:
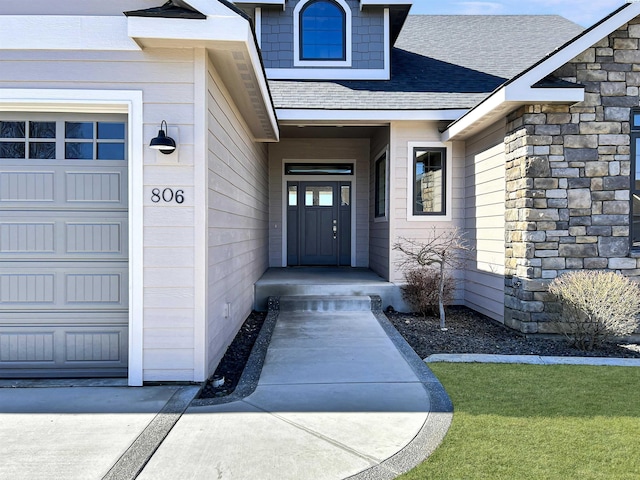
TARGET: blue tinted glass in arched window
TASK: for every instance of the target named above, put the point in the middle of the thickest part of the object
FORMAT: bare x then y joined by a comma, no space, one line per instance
322,31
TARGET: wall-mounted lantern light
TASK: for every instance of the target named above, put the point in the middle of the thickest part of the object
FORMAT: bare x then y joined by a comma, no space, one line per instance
166,145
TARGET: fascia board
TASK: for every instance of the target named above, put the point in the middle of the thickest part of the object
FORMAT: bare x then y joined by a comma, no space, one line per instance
517,94
213,29
373,116
484,109
506,99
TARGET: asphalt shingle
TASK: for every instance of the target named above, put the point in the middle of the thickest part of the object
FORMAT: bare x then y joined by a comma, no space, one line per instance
439,62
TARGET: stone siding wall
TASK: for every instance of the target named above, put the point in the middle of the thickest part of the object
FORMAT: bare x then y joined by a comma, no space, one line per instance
568,182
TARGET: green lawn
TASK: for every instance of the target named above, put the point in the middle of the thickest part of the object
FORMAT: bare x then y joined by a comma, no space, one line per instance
538,422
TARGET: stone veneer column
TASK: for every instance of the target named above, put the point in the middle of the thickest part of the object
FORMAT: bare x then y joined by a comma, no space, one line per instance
568,181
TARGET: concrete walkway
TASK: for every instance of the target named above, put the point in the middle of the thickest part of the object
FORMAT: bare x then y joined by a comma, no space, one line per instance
336,399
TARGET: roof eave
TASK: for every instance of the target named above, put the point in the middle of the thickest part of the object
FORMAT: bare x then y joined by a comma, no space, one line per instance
229,40
503,101
520,89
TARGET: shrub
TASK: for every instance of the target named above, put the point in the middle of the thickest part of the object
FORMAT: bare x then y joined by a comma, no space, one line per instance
440,251
596,306
422,287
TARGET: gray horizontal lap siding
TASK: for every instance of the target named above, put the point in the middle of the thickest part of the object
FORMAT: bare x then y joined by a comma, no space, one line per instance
367,37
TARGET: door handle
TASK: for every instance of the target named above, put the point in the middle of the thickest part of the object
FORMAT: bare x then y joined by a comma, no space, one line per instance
335,232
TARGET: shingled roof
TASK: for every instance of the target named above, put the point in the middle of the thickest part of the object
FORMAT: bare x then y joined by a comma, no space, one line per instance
439,62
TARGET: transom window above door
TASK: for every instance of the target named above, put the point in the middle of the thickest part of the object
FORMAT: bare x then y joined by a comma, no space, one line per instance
72,138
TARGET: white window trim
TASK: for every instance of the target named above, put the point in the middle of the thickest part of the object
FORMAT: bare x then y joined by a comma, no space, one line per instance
298,62
448,182
385,217
319,178
128,102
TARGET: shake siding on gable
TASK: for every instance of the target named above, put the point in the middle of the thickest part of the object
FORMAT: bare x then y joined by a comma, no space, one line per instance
378,228
402,133
166,78
238,218
485,221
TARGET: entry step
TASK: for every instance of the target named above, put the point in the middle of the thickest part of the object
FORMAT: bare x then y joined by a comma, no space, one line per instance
325,303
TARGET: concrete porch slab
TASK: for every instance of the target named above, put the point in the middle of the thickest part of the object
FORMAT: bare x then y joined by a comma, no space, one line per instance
323,281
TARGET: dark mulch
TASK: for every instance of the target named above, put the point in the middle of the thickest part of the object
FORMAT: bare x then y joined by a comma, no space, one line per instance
471,332
235,358
468,332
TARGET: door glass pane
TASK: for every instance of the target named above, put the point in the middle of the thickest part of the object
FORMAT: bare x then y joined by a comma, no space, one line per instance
114,131
82,130
320,196
345,195
110,151
79,151
293,195
12,150
42,129
42,150
12,129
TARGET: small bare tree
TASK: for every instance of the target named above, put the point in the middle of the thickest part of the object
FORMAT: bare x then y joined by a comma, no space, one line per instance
442,250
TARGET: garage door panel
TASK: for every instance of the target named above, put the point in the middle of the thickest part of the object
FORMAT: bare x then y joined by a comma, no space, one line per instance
60,186
31,288
82,350
52,237
64,247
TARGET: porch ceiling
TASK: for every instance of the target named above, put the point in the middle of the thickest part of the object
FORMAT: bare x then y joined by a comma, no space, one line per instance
328,131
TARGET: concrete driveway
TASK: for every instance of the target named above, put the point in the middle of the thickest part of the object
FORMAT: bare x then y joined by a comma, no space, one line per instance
74,432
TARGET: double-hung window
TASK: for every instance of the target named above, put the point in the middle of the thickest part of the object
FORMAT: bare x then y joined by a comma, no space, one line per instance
635,179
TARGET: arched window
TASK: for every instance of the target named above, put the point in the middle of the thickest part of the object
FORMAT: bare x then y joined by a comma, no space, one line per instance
323,31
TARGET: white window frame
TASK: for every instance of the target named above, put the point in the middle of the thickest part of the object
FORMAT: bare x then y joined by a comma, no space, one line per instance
298,62
447,217
127,102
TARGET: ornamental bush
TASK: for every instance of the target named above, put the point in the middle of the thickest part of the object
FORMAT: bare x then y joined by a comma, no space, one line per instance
596,305
422,287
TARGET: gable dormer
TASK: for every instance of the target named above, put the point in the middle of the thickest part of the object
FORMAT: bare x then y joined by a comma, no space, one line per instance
327,39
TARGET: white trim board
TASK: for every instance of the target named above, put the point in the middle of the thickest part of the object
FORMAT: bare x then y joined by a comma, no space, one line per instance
58,32
374,116
106,101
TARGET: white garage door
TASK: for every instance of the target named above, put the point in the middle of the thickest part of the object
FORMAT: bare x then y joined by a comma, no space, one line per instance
63,245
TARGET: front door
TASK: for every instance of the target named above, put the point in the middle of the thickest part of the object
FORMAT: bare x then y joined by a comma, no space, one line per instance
319,223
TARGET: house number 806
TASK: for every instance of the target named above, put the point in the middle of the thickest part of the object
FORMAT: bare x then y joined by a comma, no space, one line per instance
167,195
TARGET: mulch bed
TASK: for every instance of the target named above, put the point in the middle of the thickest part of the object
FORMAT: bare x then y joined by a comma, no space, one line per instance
471,332
467,332
235,358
